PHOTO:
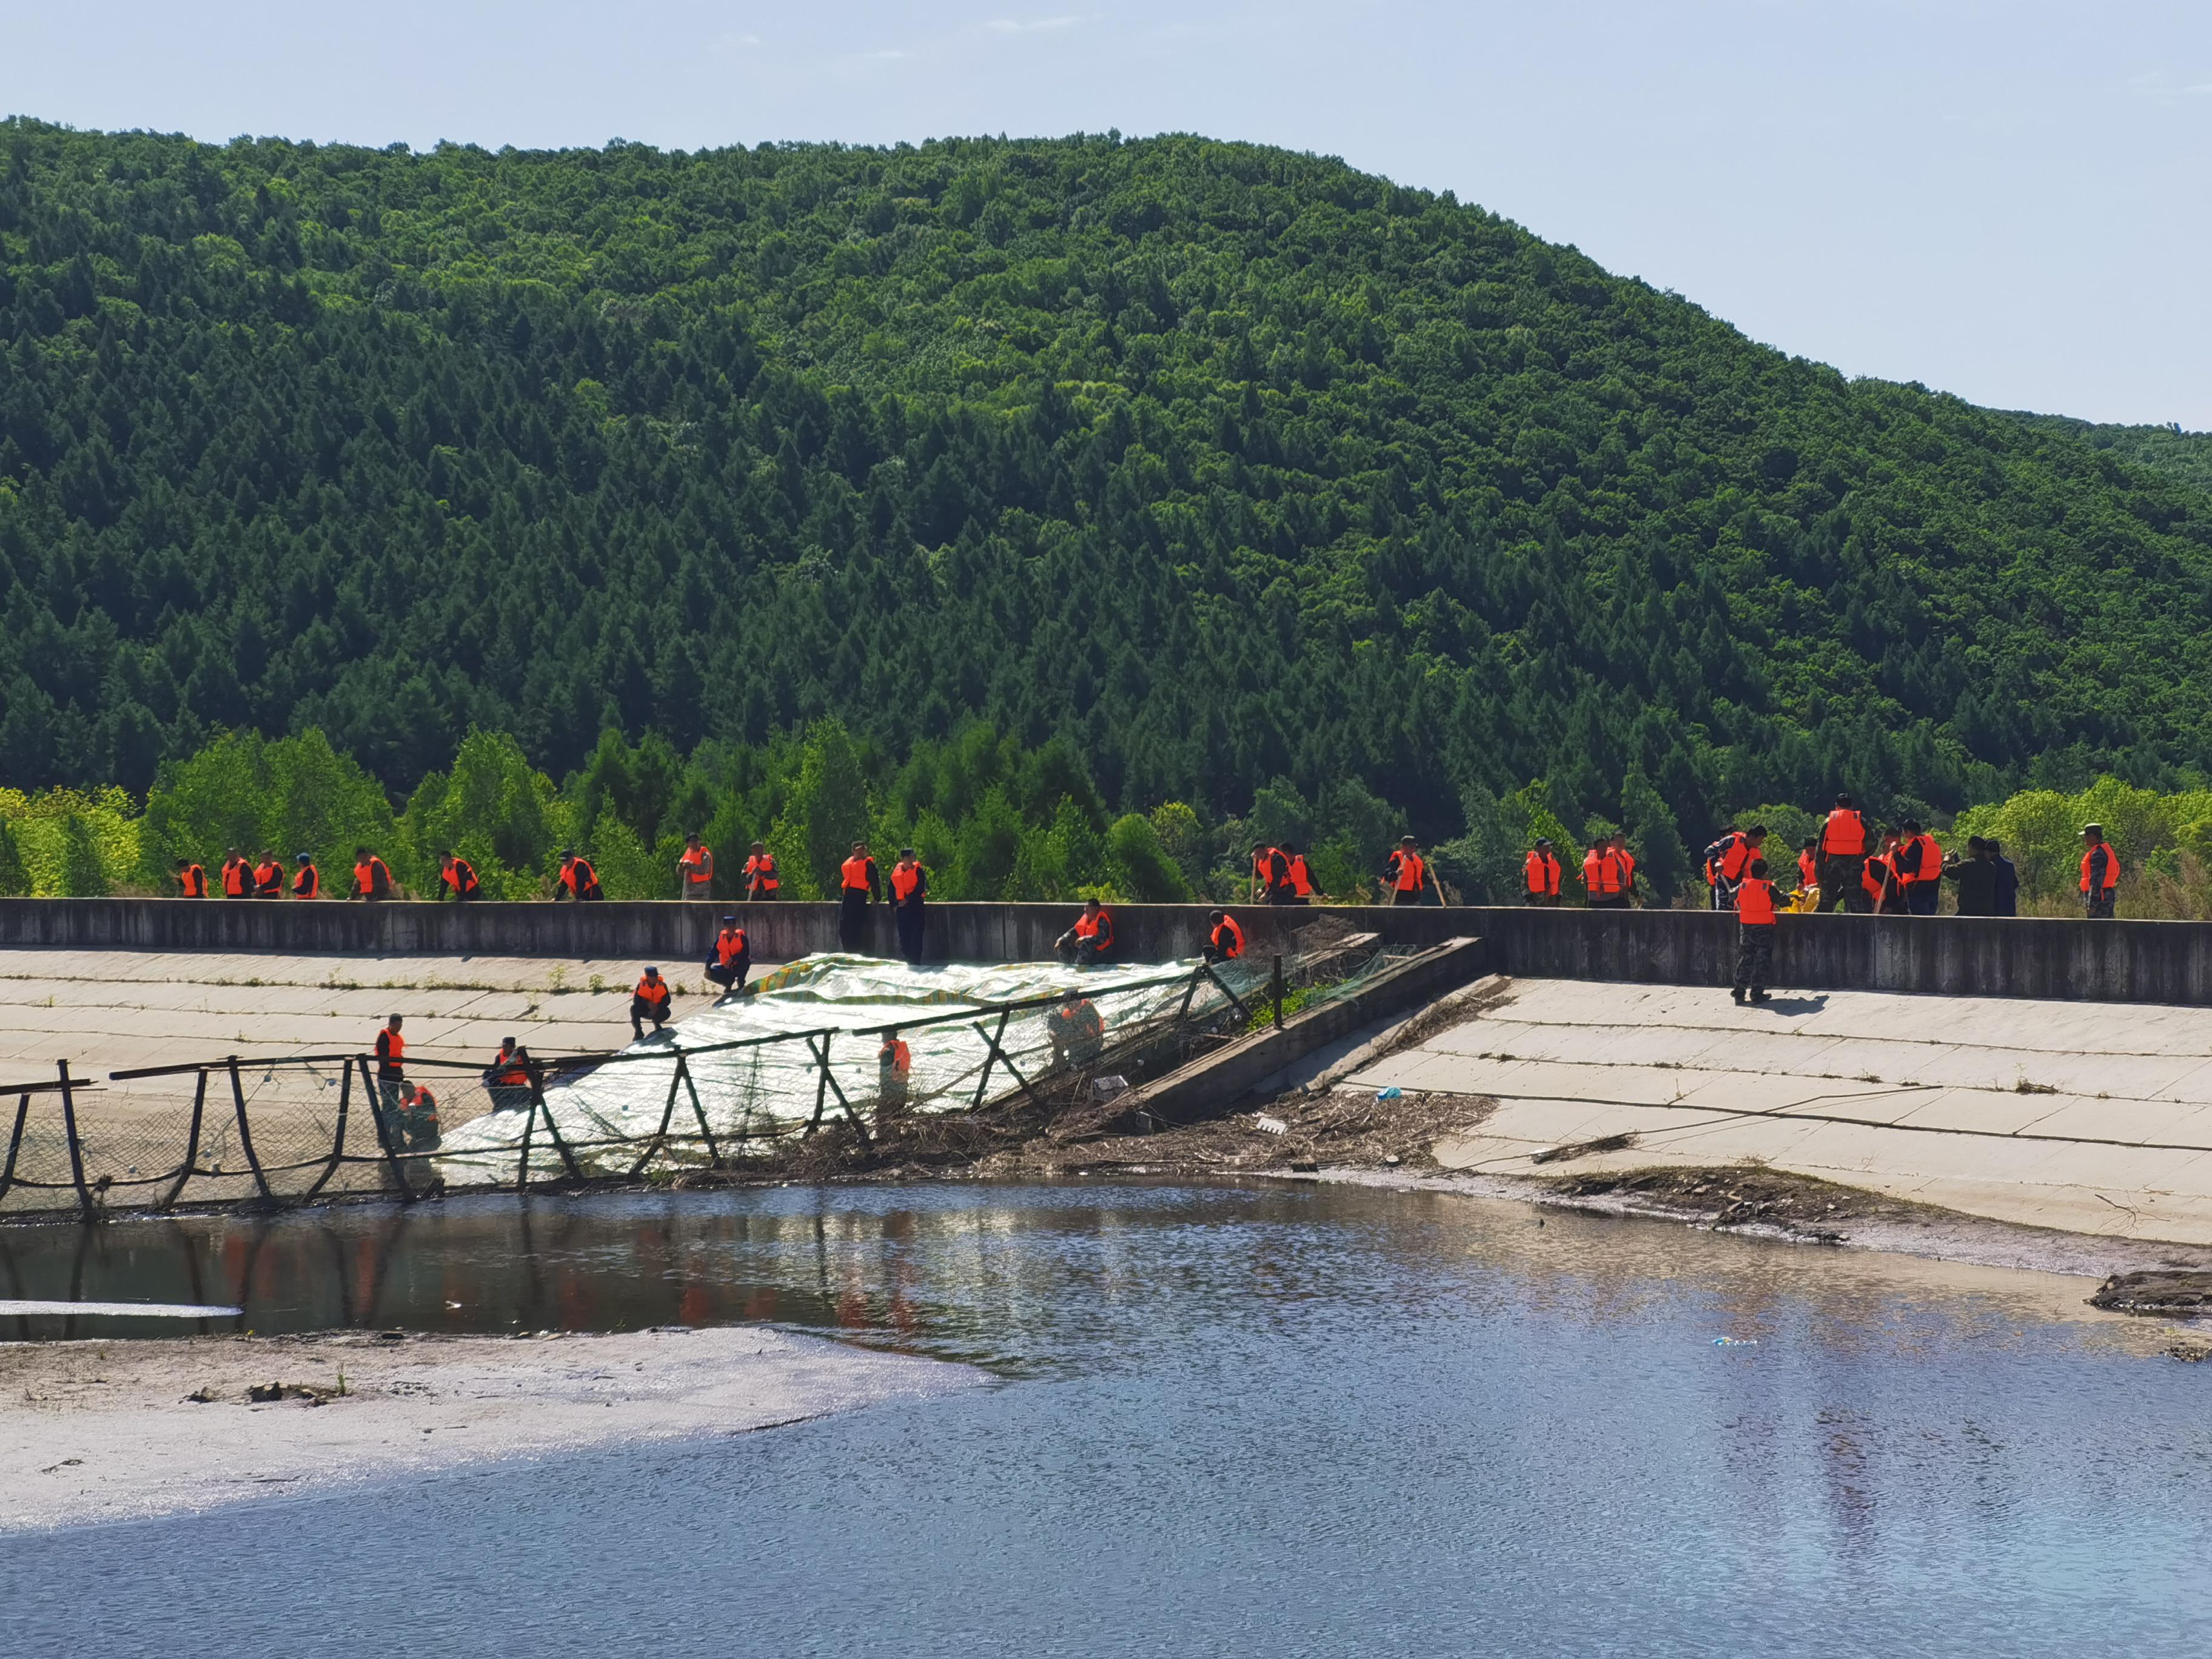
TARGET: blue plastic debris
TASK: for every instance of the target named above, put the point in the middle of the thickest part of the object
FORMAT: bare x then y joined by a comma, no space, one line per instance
1394,1092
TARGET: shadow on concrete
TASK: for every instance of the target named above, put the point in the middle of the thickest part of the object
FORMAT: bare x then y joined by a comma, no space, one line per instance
1812,1004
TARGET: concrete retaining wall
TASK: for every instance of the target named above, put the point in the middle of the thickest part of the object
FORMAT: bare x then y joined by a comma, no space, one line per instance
2105,960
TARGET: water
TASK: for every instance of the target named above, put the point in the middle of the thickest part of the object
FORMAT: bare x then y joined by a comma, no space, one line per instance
1263,1421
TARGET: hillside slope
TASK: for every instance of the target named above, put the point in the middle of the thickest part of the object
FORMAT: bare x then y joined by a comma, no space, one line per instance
1222,462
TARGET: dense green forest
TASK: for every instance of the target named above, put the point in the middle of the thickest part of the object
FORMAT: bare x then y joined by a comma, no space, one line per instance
1233,474
2184,455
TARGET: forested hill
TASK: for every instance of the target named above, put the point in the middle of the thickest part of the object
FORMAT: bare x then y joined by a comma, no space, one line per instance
1225,463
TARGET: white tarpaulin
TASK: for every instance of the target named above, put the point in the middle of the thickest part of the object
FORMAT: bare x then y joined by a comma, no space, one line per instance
836,1003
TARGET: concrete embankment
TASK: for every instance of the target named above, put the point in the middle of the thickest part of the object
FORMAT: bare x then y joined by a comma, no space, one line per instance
2168,962
2043,1114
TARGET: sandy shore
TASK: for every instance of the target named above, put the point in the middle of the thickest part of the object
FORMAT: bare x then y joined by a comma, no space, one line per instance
108,1431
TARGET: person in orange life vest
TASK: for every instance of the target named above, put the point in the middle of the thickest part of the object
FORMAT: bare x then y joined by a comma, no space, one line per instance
1847,839
456,876
909,889
191,879
860,884
268,877
761,881
1224,939
1603,877
1808,866
894,1072
507,1080
1878,879
237,875
391,1069
577,878
2100,874
1077,1031
417,1115
306,881
695,870
649,1002
1627,862
1540,874
1755,949
1302,887
1405,873
1727,859
1918,862
1092,937
733,959
372,879
1270,875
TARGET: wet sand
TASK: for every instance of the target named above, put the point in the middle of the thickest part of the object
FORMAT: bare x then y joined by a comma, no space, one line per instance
93,1432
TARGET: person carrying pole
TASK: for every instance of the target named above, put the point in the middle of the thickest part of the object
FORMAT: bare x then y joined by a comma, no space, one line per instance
306,881
1754,950
1405,873
860,884
909,893
761,881
649,1002
577,879
456,878
2100,874
695,870
732,958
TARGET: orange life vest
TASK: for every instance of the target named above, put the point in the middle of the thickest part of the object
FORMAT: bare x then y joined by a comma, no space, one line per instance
508,1070
308,883
1233,946
1602,874
1808,870
193,879
268,879
462,878
365,876
760,872
1412,873
906,881
2111,874
1627,868
698,864
729,945
653,991
390,1049
894,1057
1301,878
855,873
578,877
1100,927
1875,876
1755,903
1737,859
1542,869
1271,869
1846,833
234,877
1931,860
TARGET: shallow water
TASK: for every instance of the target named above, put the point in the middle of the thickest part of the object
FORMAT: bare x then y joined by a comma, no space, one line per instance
1265,1421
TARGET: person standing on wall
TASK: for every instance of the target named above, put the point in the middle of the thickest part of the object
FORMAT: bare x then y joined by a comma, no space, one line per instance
1302,887
269,878
2100,874
761,880
862,885
1755,924
1405,872
1918,862
372,877
237,876
732,958
191,879
1540,874
909,891
695,870
1845,841
307,880
577,878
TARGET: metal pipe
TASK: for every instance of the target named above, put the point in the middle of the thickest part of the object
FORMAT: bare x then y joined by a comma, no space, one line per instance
191,1144
245,1134
76,1147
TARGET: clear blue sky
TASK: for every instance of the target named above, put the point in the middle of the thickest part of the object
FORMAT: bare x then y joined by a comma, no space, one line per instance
2003,199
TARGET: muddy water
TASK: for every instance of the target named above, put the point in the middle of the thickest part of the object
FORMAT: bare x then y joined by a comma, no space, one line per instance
1272,1421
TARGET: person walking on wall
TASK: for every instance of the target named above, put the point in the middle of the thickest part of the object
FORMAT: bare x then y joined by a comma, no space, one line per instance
2004,896
862,885
307,880
577,878
1540,874
695,870
2100,874
1918,862
909,892
761,879
732,958
649,1002
1405,873
1754,933
1845,841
